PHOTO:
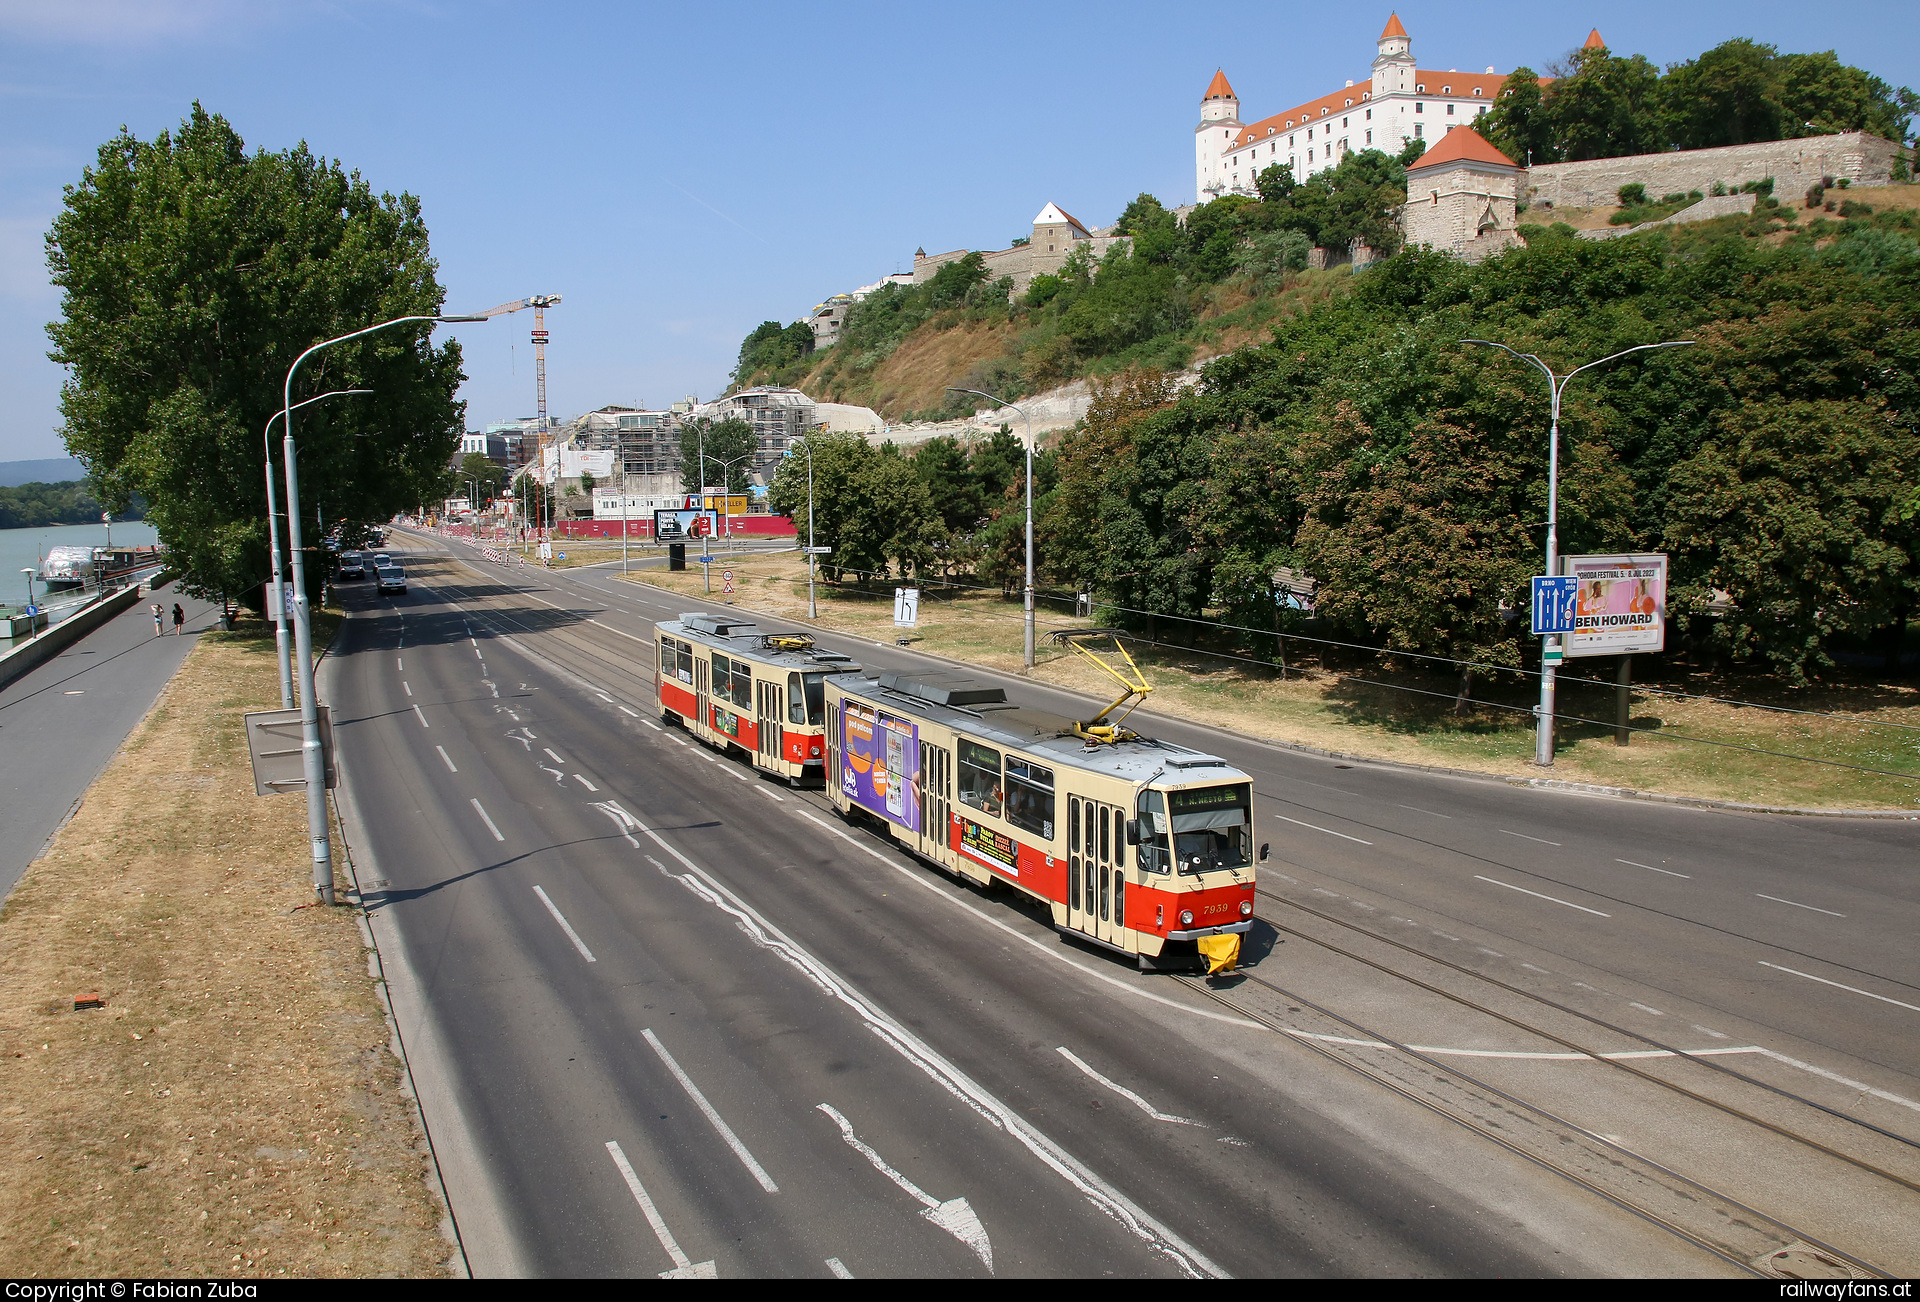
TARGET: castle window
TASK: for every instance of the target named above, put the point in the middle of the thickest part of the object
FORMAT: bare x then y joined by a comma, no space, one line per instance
1436,198
1476,92
1369,115
1369,137
1419,130
1348,104
1418,107
1421,88
1446,90
1449,110
1309,133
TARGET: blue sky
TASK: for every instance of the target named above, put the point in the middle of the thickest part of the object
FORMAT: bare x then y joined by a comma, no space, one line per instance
682,172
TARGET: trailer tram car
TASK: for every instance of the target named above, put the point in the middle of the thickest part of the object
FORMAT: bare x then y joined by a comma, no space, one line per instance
1137,845
757,695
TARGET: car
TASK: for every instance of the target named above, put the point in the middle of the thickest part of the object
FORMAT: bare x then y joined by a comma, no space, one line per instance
382,558
392,578
353,565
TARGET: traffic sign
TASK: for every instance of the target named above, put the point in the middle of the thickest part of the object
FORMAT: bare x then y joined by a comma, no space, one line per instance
726,578
706,560
32,611
1553,603
817,551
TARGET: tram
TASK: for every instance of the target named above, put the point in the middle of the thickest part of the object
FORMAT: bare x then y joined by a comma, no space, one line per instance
759,696
1138,845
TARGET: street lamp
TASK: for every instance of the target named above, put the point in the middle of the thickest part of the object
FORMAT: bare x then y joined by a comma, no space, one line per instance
1029,595
813,611
273,545
1550,643
312,762
726,489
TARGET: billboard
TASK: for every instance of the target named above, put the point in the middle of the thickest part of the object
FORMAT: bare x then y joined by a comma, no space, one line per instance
679,526
1620,605
880,763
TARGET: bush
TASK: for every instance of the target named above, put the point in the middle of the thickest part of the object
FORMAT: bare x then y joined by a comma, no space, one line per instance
1816,195
1762,187
1854,208
1718,188
1675,198
1631,196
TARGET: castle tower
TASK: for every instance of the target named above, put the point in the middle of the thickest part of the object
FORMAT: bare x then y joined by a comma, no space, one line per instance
1219,124
1393,66
1461,196
1593,41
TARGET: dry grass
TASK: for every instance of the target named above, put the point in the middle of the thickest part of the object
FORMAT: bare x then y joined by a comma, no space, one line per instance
1391,722
233,1110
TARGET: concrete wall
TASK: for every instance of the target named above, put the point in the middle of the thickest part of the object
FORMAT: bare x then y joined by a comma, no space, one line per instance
53,641
1793,164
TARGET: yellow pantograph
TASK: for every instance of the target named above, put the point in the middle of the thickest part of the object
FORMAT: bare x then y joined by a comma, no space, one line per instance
1113,661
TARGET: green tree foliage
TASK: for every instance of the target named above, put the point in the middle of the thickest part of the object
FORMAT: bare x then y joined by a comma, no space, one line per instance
869,505
1605,106
32,505
719,442
193,274
772,350
477,472
1517,124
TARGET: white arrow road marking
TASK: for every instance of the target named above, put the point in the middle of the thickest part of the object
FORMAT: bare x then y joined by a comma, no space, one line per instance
566,926
558,776
1126,1093
492,687
726,1132
621,819
684,1267
955,1216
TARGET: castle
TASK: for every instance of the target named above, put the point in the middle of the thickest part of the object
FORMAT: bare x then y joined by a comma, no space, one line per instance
1400,102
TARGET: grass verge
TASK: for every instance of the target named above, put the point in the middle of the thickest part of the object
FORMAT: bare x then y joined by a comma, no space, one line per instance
233,1109
1390,716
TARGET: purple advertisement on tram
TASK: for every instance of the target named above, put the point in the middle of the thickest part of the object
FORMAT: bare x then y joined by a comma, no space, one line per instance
880,763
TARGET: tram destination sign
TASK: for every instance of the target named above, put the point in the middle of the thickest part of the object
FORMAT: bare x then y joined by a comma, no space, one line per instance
1620,604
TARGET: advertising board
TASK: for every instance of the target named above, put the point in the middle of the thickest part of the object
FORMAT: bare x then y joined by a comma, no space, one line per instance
1620,606
678,526
880,763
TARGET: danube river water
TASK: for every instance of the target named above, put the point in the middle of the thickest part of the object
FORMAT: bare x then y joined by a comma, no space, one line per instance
20,548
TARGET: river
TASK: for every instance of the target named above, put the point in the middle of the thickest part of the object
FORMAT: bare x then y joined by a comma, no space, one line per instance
20,548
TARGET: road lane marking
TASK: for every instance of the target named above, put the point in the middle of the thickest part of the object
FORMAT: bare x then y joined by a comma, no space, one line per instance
624,821
684,1266
400,664
583,782
408,686
423,718
726,1132
565,926
839,1271
1329,831
649,722
771,795
1650,868
488,821
1850,989
611,629
1643,1008
732,772
1124,1092
447,758
556,758
681,740
1538,896
1416,809
1796,904
955,1216
632,713
603,696
1524,837
1098,1192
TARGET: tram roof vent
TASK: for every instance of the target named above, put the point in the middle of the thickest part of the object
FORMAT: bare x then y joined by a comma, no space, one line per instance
830,657
943,689
719,625
1196,762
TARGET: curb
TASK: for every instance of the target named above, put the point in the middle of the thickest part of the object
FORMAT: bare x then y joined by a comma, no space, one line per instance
1538,784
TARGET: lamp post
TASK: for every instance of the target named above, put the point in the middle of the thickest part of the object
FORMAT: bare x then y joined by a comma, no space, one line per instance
726,490
813,611
312,762
273,545
1029,593
1550,643
33,626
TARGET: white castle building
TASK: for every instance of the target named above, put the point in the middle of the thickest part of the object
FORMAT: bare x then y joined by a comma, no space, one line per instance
1400,102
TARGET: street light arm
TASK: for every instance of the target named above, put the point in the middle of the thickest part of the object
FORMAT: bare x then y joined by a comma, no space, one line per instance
1528,358
1637,348
332,393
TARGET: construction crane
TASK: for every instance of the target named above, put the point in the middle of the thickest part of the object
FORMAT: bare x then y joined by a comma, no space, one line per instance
1113,661
540,303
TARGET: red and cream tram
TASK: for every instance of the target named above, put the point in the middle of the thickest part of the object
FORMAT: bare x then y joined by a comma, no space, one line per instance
760,695
1138,845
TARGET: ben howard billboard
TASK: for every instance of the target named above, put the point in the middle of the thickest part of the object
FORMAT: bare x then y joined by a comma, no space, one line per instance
1620,607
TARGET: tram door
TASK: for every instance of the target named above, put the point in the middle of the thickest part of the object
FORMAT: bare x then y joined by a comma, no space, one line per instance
936,800
766,702
702,714
1096,869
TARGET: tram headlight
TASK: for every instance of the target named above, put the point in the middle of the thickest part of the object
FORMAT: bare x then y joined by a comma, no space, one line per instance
1246,908
813,750
1186,917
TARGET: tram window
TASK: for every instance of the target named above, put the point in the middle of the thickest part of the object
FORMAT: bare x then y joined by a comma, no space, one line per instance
1030,796
796,703
1104,896
816,698
980,777
1106,844
1212,827
1153,855
1089,838
1073,826
683,661
733,681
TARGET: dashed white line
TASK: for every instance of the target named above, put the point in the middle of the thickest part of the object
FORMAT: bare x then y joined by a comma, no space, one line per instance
603,696
583,782
565,926
1430,813
556,759
649,722
1123,1091
1538,896
448,758
408,686
1836,985
1796,904
1650,868
400,664
1524,837
1329,831
488,821
1643,1008
681,740
624,710
839,1271
684,1266
726,1132
771,795
423,718
1707,1030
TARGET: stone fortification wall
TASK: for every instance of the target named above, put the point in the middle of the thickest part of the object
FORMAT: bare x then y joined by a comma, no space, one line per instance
1793,164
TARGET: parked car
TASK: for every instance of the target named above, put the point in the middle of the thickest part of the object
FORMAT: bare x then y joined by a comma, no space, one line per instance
353,565
392,579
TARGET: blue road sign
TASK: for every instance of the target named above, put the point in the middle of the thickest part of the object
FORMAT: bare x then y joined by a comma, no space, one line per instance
32,611
1553,603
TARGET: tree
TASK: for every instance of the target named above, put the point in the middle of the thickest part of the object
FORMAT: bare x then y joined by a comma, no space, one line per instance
724,441
1728,96
193,274
478,467
1517,124
868,505
1605,107
772,347
1819,95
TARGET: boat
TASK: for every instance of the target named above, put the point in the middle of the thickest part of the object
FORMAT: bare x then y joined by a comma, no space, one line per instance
68,566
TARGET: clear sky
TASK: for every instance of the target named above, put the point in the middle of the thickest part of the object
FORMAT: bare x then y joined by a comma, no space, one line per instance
681,172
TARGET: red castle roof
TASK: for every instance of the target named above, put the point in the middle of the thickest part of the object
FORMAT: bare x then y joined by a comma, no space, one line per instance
1462,144
1393,27
1218,87
1593,41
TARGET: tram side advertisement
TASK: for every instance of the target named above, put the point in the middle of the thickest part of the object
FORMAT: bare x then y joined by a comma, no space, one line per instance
881,763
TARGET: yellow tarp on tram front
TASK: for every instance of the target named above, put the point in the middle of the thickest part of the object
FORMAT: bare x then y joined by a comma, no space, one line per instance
1221,952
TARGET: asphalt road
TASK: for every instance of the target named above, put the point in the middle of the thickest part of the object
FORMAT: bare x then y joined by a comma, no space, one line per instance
642,986
61,722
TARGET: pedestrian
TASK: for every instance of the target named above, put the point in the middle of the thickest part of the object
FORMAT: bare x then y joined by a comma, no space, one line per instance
179,618
157,613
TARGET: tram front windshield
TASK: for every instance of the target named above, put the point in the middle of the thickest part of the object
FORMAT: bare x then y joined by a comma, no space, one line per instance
816,699
1211,828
